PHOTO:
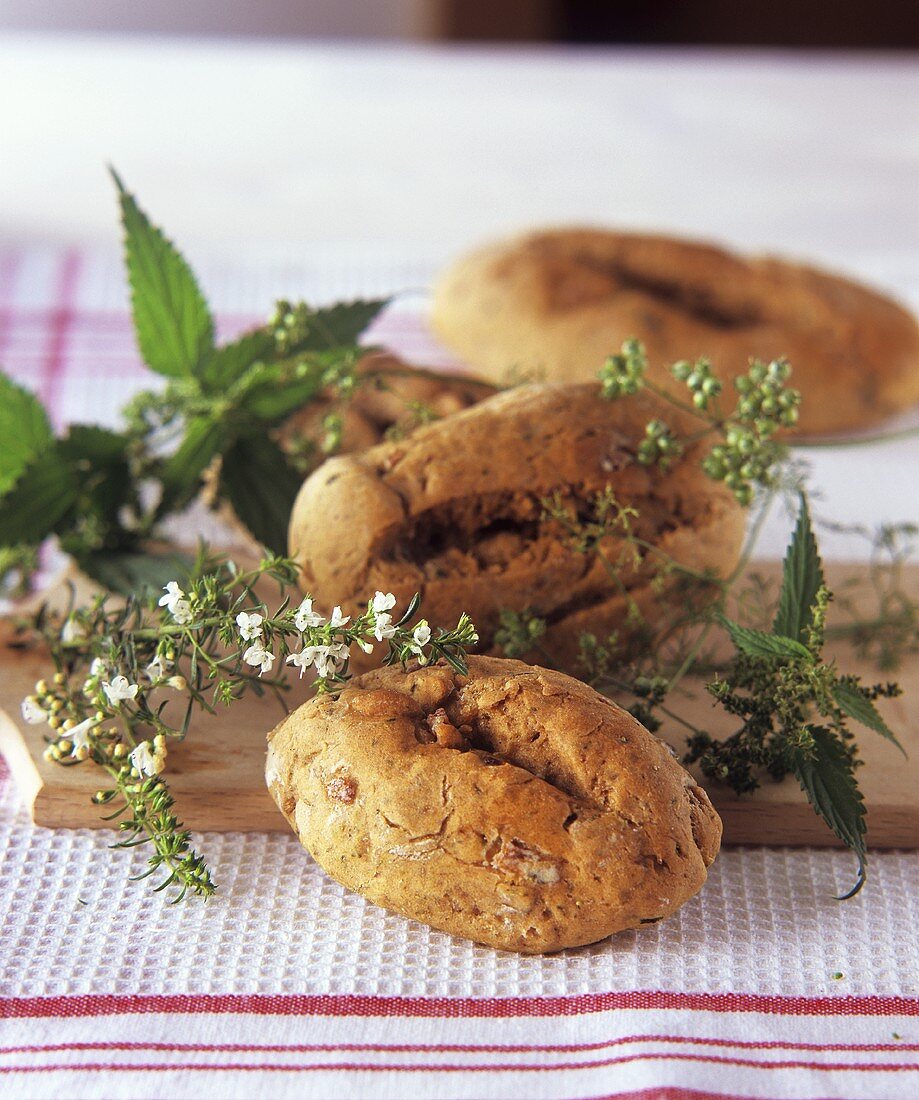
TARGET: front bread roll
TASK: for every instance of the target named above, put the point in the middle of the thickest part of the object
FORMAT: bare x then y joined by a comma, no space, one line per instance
514,806
457,512
559,302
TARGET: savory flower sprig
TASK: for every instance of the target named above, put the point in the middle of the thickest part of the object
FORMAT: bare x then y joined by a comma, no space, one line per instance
130,676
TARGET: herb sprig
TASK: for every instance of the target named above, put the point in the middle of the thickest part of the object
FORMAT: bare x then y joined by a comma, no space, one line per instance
105,493
130,677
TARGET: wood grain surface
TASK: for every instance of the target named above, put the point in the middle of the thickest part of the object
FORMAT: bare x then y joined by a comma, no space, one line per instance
216,774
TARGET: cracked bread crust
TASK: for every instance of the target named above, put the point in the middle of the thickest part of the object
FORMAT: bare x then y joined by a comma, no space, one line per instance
561,301
456,513
514,806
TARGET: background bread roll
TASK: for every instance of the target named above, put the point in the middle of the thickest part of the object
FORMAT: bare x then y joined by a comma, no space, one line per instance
561,301
456,512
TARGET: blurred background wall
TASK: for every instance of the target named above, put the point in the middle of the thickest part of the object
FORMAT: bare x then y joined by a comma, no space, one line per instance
877,24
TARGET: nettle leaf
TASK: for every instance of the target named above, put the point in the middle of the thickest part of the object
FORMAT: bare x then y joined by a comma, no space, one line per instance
802,578
339,324
131,572
229,363
42,496
181,475
98,460
174,327
854,703
260,485
25,430
827,777
757,643
275,395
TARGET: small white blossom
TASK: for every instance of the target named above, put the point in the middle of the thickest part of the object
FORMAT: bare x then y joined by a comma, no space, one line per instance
306,617
147,760
383,601
72,631
257,655
382,627
97,668
250,625
175,603
79,736
302,660
32,712
119,690
421,635
367,647
157,668
338,619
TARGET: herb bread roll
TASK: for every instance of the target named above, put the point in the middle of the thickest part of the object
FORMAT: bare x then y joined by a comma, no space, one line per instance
457,512
560,301
514,806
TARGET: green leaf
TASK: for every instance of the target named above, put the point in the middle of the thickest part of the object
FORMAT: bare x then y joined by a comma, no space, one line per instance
274,395
228,364
850,700
42,496
339,324
25,430
757,643
802,578
174,327
204,438
827,777
98,459
133,571
260,486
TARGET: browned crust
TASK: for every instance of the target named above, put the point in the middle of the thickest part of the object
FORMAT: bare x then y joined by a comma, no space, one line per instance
455,512
561,301
515,807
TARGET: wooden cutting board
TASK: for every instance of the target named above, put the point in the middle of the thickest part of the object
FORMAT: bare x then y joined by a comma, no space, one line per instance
216,775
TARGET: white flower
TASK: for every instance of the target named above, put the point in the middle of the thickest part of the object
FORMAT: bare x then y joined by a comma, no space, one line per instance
421,635
119,690
257,655
383,628
147,760
79,736
72,632
383,601
302,660
32,712
250,625
337,618
175,603
157,668
367,647
98,667
306,617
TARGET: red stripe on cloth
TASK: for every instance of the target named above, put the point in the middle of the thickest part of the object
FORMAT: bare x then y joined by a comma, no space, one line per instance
257,1004
445,1067
463,1048
60,320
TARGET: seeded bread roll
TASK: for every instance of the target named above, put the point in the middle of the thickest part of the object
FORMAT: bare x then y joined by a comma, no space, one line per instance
457,512
560,301
514,806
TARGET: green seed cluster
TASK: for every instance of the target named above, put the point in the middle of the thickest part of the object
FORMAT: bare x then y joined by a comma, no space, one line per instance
659,445
699,379
624,374
749,454
764,399
290,325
